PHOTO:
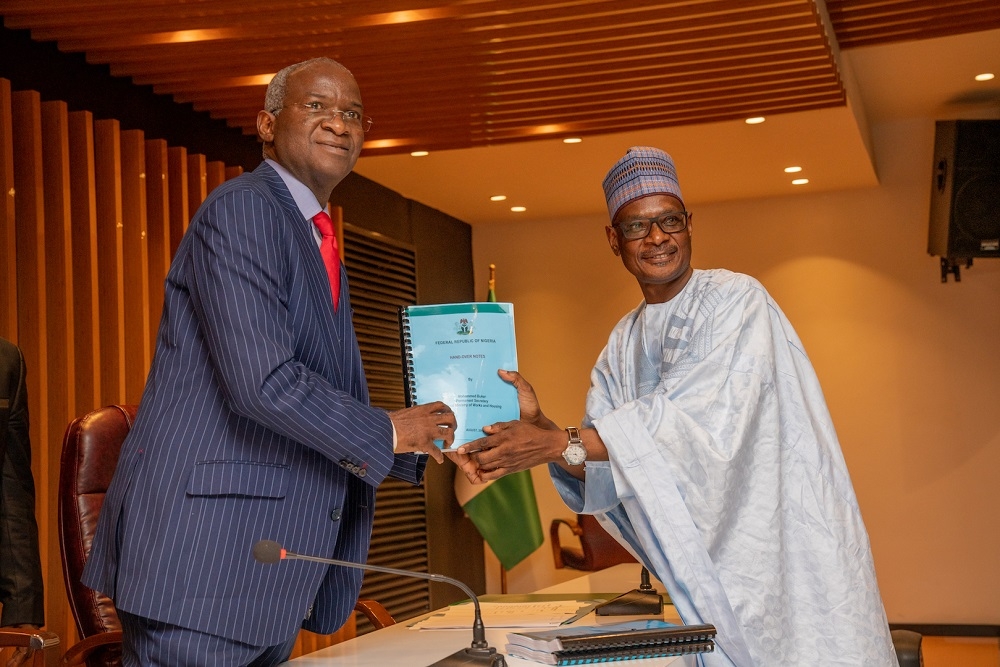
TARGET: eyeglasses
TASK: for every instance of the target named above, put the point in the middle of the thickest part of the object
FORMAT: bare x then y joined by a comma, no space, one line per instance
639,228
319,110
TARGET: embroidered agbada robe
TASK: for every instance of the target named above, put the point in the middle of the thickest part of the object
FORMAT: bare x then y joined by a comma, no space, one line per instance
727,480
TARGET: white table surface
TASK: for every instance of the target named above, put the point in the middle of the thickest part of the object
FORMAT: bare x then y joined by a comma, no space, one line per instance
398,646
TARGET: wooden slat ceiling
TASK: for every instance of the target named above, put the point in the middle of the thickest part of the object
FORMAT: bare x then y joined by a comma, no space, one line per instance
479,72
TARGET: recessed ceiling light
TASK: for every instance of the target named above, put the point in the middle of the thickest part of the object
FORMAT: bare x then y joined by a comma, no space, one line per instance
756,120
800,181
572,140
419,153
792,170
518,209
498,197
985,76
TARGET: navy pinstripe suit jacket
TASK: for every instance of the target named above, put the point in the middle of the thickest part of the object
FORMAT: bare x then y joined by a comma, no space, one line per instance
254,424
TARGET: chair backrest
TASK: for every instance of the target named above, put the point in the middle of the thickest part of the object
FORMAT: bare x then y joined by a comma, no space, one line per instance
90,453
598,549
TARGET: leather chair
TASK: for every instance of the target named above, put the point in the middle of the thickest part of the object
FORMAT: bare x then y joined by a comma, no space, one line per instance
91,447
597,551
41,643
90,452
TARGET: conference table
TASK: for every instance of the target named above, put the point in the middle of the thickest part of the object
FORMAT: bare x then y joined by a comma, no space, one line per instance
400,646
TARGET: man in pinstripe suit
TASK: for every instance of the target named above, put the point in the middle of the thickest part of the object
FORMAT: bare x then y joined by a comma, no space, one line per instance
255,422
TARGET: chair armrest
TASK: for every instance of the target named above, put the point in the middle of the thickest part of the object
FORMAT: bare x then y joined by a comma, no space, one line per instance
554,539
375,613
36,640
79,652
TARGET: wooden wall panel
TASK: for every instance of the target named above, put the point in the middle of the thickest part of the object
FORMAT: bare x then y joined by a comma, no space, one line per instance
86,342
89,221
215,175
197,181
138,352
58,338
8,239
32,316
110,261
177,182
233,172
157,227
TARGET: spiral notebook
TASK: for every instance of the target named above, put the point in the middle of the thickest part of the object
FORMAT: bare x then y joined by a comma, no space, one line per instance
451,353
634,640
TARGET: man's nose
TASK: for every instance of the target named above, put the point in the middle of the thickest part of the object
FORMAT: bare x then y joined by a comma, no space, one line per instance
656,235
336,123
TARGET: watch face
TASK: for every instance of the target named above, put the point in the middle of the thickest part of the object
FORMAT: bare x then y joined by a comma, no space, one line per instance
575,454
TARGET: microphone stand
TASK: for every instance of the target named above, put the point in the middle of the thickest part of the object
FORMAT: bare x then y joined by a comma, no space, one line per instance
479,653
639,601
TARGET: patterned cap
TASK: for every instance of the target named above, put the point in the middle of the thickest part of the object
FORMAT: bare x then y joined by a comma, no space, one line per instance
642,172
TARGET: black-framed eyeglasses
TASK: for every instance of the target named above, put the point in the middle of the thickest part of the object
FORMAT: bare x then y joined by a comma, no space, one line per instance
321,111
639,228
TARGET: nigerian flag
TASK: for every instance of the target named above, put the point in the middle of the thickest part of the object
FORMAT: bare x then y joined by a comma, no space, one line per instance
504,511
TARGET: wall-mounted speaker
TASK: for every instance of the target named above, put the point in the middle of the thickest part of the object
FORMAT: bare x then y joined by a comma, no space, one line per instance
965,192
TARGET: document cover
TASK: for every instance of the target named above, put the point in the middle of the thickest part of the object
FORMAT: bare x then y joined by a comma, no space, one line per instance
451,353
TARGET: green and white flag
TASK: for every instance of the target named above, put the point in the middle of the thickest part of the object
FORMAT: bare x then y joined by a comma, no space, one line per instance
504,511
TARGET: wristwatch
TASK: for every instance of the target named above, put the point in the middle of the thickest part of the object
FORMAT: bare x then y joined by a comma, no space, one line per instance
575,453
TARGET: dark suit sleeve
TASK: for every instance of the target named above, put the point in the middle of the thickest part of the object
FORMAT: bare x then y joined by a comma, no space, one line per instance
254,321
21,589
408,468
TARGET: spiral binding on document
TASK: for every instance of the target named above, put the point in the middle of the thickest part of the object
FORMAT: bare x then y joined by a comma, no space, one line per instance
406,347
636,653
617,643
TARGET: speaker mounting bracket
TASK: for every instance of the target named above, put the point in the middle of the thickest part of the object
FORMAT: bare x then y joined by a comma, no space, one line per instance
951,265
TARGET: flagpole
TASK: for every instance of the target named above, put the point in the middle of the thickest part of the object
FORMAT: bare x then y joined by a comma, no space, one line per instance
491,295
498,505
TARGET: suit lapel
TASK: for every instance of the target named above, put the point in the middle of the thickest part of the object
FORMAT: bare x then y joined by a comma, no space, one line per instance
317,283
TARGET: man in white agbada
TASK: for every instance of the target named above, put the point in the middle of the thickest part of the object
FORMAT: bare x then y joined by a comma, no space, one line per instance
707,449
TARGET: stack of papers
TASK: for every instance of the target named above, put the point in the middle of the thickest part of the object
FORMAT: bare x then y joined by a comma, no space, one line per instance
610,643
543,614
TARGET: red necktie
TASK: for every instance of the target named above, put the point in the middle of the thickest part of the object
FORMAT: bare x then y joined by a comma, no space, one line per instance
328,250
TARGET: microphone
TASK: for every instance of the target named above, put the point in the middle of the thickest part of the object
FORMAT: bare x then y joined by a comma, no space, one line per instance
479,653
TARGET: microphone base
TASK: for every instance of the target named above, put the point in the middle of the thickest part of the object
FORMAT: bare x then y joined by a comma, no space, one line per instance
636,602
473,656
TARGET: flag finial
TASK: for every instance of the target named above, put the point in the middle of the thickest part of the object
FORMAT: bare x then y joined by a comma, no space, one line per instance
491,295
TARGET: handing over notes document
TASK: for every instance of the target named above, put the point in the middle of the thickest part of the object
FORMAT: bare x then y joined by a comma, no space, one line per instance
452,352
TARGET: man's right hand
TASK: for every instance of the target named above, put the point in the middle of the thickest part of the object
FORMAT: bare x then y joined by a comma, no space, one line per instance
418,427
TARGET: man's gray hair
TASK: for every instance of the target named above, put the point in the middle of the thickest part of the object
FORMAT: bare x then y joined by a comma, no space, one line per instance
274,98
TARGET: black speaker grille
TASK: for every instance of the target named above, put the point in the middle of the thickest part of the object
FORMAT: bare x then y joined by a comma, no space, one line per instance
976,212
965,192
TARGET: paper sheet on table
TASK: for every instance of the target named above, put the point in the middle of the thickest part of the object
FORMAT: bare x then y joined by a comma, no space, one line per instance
544,614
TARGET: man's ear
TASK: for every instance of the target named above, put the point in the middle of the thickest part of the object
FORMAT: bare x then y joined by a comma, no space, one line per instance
612,239
265,126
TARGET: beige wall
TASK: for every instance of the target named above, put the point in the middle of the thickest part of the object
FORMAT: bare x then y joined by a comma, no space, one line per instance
910,366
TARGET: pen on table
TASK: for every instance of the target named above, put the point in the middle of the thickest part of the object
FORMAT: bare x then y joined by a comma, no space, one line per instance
583,611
